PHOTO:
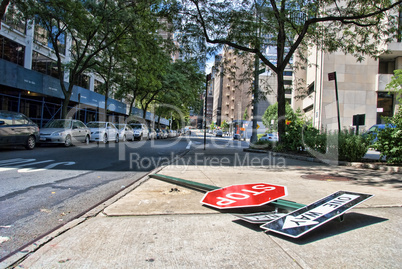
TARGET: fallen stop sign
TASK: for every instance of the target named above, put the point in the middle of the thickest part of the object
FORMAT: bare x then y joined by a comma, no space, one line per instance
246,195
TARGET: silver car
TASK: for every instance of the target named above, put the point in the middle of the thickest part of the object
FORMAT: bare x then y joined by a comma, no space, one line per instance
66,132
102,131
125,132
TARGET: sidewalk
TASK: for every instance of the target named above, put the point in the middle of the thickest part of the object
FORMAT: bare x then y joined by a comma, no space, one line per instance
160,225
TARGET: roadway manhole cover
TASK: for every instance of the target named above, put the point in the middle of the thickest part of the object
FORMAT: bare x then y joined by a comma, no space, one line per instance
326,177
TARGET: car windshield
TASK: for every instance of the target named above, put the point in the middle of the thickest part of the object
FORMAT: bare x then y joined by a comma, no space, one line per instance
66,124
96,125
120,126
136,126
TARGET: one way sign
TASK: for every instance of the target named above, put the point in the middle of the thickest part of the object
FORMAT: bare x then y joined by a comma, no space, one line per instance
310,217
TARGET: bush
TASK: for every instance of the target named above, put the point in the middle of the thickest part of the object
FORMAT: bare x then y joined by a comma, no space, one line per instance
389,140
315,140
351,147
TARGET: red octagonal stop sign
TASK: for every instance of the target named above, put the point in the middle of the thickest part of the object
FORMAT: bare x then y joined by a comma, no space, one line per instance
246,195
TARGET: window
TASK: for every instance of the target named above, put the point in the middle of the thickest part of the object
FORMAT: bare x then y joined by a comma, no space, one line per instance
44,65
12,51
287,73
310,88
384,106
287,82
97,86
43,36
83,81
11,18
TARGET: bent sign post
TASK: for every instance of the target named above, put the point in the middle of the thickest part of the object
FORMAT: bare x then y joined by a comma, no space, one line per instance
314,215
246,195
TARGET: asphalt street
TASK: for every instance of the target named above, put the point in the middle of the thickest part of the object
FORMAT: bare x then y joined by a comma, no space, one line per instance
45,188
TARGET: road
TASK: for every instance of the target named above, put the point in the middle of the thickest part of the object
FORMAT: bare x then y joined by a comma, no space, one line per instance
49,186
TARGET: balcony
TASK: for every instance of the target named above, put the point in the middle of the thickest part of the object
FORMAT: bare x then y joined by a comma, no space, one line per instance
395,49
381,81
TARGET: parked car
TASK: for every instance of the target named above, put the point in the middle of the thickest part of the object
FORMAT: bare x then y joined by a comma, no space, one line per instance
159,134
374,130
102,131
17,129
172,133
125,132
219,133
151,133
236,137
66,132
164,134
140,131
269,137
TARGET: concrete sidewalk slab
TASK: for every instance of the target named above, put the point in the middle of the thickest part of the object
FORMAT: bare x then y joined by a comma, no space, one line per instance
368,238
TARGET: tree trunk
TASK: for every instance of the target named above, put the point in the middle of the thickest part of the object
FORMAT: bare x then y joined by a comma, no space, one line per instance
66,101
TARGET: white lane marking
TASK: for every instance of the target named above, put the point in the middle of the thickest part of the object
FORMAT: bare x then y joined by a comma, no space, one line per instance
50,166
15,161
22,165
189,145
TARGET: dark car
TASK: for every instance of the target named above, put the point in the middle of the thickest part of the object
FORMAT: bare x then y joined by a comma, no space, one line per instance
17,129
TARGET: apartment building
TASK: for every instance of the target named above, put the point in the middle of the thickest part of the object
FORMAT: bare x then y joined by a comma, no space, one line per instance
232,94
361,88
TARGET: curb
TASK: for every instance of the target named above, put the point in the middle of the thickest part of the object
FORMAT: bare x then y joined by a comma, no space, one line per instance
373,166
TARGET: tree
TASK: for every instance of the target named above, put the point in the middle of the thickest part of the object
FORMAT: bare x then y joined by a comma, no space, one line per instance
225,126
92,26
354,27
182,81
396,84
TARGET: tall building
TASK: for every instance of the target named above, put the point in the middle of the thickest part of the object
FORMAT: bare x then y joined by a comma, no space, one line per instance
232,97
361,88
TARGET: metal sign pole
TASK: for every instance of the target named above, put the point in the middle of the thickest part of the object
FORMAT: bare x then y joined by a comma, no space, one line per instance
332,76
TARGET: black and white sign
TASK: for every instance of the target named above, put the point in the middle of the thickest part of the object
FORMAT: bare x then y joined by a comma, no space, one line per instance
314,215
260,217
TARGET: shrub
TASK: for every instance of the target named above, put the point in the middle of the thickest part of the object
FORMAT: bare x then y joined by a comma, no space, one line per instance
315,140
351,147
389,140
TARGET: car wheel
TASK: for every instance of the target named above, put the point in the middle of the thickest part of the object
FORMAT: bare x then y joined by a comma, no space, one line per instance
68,141
31,142
86,141
117,139
104,140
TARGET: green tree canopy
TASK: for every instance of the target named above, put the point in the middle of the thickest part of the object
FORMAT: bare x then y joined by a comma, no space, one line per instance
396,84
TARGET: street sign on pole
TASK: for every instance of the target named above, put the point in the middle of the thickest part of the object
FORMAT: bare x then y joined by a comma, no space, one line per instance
314,215
247,195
